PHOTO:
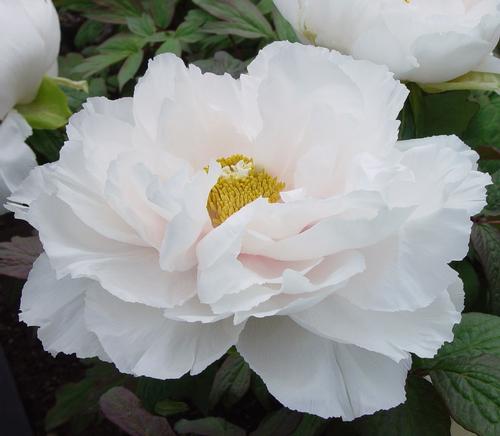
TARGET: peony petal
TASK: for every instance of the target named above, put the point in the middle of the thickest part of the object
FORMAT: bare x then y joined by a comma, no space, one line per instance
457,294
393,334
102,121
336,109
57,307
219,270
314,375
490,64
444,175
283,220
76,186
178,248
356,229
299,292
244,301
126,191
141,341
35,184
129,272
330,271
409,270
197,117
194,311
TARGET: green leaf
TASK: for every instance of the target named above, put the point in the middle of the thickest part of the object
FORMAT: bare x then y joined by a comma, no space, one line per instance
221,63
171,45
46,144
237,29
124,409
493,207
470,387
231,382
483,128
259,390
407,128
170,407
88,33
150,391
97,87
265,6
423,414
163,11
489,166
240,16
123,7
123,44
75,98
448,113
310,425
77,400
113,11
486,241
208,427
284,30
469,81
141,26
97,63
50,108
477,334
194,389
112,51
68,63
214,43
280,423
107,11
470,279
189,30
130,68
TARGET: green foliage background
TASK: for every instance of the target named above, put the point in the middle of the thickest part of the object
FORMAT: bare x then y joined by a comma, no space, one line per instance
108,43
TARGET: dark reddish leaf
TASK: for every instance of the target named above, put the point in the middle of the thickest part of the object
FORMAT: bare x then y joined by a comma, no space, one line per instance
125,410
18,255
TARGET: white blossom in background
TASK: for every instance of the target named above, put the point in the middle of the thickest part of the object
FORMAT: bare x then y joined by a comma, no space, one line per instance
426,41
29,46
16,158
276,213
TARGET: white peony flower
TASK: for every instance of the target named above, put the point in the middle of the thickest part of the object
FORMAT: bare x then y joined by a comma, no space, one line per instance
426,41
28,49
276,213
16,158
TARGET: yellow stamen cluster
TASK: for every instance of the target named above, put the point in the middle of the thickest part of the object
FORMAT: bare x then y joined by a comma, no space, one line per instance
241,183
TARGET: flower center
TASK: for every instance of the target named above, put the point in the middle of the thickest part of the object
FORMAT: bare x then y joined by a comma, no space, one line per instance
240,183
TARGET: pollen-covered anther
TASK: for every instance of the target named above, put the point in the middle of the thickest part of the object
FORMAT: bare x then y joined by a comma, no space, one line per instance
240,184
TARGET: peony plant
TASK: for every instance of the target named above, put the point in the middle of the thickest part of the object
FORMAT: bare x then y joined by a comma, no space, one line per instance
425,41
28,48
277,213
